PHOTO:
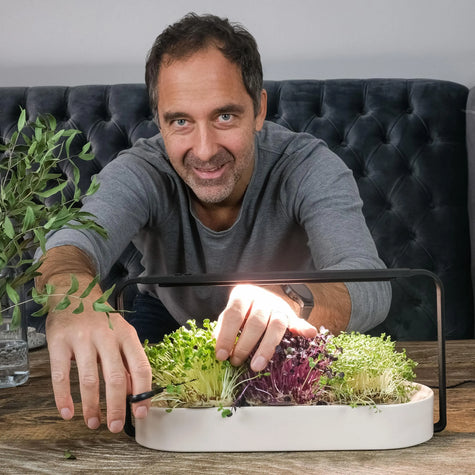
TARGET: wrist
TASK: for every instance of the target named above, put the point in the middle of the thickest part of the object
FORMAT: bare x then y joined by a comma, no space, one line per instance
59,263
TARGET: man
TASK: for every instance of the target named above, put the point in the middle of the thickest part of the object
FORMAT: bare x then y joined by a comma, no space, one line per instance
218,190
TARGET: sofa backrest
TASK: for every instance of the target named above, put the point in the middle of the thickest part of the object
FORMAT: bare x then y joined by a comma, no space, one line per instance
403,139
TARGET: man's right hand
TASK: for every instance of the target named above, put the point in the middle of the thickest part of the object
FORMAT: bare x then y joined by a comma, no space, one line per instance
91,340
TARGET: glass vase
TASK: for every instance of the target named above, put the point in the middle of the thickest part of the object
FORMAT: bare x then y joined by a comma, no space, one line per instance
14,364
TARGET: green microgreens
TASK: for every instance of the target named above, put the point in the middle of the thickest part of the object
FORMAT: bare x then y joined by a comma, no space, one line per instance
369,371
188,354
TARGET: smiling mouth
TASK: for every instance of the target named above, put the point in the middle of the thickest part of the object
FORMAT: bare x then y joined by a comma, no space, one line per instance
210,173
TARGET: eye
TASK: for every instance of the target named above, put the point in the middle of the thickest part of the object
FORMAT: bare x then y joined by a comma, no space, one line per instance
225,117
180,122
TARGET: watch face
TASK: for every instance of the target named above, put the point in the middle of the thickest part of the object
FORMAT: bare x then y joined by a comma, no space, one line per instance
301,294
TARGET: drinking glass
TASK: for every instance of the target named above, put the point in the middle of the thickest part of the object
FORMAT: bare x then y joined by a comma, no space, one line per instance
14,364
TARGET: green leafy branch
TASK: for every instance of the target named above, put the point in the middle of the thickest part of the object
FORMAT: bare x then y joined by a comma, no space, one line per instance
33,202
67,298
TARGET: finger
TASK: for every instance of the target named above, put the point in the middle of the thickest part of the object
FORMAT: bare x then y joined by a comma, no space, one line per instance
301,327
254,328
60,362
87,365
115,379
125,370
229,324
231,321
139,373
276,327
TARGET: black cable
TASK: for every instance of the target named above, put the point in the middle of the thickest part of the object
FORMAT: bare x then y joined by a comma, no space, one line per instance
451,386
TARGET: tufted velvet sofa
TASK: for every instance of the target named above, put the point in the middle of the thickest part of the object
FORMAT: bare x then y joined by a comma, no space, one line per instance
405,141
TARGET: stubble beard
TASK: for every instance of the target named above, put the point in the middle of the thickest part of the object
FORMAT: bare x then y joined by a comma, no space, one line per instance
216,190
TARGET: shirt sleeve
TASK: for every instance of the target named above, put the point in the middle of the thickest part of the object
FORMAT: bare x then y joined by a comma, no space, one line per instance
323,196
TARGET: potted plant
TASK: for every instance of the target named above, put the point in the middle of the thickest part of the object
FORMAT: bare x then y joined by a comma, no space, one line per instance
33,202
351,391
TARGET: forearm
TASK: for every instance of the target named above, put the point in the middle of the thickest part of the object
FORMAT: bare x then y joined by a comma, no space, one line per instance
332,306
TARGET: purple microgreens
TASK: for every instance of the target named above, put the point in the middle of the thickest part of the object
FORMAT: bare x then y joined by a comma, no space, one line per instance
293,374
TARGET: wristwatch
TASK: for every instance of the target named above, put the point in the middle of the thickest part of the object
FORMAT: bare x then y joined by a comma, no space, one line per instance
301,294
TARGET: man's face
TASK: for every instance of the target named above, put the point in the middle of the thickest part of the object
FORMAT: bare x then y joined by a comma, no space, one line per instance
208,123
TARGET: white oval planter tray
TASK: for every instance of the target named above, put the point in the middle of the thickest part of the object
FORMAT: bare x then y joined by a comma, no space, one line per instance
290,428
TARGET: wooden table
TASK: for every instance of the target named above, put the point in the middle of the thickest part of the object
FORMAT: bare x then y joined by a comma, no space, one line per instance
33,438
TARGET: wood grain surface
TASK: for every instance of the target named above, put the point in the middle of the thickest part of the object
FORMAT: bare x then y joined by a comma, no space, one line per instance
34,439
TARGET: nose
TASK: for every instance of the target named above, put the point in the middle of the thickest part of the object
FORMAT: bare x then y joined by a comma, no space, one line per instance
205,142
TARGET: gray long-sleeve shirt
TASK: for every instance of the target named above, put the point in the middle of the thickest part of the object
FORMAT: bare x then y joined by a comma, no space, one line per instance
301,211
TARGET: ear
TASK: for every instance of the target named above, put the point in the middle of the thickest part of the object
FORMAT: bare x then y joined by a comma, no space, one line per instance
261,116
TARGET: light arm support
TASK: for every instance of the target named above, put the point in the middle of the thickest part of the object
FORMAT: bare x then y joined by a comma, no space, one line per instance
324,276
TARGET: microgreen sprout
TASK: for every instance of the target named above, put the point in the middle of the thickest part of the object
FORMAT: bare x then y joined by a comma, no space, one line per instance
225,412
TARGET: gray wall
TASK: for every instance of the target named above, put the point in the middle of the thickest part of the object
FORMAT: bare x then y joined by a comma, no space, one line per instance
70,42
